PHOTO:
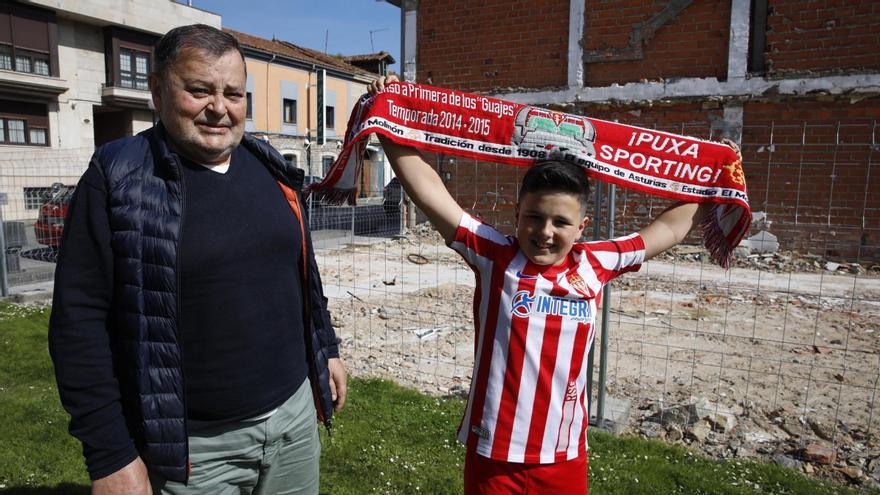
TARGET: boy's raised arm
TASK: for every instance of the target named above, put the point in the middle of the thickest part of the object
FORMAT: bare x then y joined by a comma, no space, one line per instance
424,187
671,227
421,181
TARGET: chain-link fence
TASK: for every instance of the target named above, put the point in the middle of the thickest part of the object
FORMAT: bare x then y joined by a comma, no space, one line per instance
776,357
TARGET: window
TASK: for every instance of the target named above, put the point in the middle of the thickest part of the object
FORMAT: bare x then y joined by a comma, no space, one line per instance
34,197
291,159
41,67
29,61
15,130
326,163
289,111
28,39
38,135
22,63
250,106
23,123
128,59
330,119
5,57
134,67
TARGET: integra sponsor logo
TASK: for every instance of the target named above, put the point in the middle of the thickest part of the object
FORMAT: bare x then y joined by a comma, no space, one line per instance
524,304
385,125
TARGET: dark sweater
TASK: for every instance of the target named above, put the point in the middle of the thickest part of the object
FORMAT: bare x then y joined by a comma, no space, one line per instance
241,317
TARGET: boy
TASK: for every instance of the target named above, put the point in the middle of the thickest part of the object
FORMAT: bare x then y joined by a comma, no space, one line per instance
534,305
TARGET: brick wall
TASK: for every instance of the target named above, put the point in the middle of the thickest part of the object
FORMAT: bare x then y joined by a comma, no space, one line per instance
812,168
821,36
484,45
692,44
813,181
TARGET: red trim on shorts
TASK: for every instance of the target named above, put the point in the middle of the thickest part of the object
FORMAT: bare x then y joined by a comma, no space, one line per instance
485,476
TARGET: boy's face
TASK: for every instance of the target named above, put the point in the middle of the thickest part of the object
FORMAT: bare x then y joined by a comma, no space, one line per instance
547,224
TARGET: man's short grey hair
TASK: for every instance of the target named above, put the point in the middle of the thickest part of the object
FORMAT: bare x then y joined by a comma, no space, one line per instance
199,37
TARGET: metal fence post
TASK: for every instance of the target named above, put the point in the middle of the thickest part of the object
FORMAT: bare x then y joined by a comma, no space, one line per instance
597,233
4,281
606,301
353,211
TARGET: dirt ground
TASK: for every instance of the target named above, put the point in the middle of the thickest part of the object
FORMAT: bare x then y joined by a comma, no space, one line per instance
781,352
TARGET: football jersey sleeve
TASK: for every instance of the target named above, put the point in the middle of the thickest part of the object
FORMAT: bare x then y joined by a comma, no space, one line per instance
475,240
617,256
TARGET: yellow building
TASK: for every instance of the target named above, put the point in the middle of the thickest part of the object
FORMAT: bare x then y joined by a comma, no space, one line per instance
300,100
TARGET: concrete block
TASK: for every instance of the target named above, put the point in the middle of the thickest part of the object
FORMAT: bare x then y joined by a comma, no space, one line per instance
31,296
616,414
762,242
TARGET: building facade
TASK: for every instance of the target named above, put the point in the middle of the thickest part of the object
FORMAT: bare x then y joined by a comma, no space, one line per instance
73,75
300,100
797,83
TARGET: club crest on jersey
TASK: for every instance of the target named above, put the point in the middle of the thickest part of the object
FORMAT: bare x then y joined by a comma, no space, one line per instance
524,304
577,282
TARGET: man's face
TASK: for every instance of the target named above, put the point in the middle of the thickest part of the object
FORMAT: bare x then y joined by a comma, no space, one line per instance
201,102
547,224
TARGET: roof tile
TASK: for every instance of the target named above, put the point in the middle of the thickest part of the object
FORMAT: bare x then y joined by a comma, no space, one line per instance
287,49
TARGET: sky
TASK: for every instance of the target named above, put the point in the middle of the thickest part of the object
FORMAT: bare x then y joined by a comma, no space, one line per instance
346,23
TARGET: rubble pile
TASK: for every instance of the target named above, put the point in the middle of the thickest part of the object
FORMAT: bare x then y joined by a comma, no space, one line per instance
783,435
744,363
778,262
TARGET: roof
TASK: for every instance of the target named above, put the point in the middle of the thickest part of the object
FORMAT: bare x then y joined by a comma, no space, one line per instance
370,57
287,49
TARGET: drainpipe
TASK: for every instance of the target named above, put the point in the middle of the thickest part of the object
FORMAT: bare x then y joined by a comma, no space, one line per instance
408,11
309,122
268,68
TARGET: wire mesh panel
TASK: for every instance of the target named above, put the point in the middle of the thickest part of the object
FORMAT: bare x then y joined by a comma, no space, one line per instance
777,356
38,184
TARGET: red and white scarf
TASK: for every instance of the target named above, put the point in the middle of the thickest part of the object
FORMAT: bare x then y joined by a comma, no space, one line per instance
493,130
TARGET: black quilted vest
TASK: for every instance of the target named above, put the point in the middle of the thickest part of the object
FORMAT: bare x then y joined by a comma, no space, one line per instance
146,201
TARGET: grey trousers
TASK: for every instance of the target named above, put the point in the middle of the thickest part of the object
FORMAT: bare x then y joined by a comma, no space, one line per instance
275,456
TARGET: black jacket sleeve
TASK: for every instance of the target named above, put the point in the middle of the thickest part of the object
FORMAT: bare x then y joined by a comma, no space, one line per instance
79,330
318,310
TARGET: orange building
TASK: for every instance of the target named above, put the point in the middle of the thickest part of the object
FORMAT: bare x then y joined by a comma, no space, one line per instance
300,99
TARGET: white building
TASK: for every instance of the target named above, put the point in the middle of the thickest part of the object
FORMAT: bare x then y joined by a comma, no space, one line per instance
73,75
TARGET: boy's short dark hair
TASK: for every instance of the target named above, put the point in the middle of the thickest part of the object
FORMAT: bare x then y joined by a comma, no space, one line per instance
201,37
557,176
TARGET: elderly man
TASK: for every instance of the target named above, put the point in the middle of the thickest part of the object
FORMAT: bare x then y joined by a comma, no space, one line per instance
189,331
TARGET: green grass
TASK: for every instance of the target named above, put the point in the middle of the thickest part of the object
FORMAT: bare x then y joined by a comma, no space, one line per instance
387,440
632,465
35,449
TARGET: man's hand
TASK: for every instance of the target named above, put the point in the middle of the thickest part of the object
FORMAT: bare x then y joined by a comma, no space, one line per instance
130,480
378,85
338,382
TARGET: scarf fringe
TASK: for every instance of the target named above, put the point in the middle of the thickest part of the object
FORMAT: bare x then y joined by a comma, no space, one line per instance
331,195
714,239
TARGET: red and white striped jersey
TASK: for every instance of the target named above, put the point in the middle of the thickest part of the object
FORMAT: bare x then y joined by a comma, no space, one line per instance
534,326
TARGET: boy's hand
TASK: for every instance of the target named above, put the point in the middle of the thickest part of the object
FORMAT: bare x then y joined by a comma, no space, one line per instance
378,85
734,146
388,145
419,179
